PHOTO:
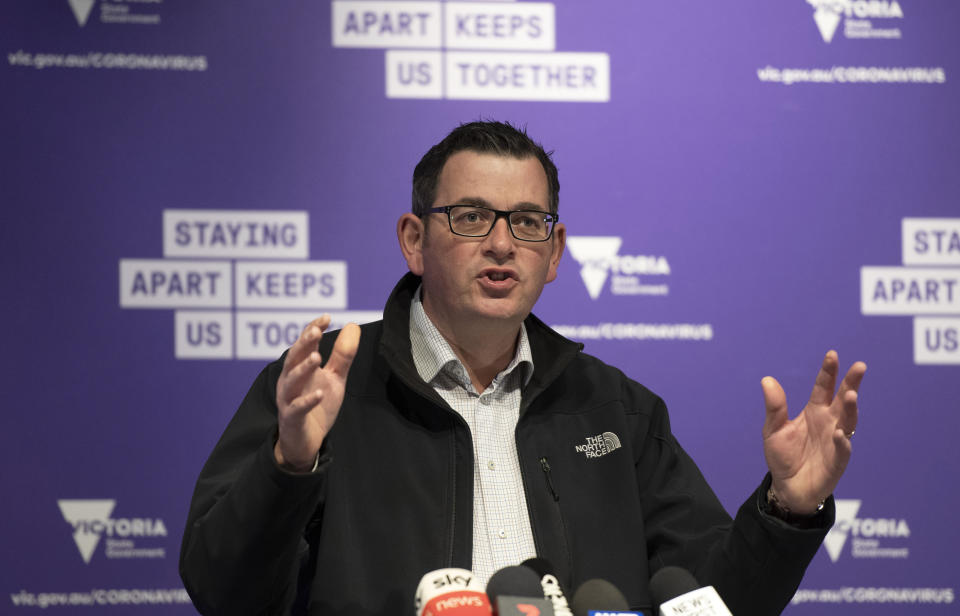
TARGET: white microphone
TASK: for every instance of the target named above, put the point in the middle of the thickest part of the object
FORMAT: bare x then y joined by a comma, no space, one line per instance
679,594
451,592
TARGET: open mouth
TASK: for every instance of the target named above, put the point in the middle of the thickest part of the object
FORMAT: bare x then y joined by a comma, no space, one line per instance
498,275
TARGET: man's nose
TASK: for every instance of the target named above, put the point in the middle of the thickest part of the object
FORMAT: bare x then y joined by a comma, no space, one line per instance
500,239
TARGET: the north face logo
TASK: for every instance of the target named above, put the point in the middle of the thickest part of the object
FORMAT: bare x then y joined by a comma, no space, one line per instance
599,445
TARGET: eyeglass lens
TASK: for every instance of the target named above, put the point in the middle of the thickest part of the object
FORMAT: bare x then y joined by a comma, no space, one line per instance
477,221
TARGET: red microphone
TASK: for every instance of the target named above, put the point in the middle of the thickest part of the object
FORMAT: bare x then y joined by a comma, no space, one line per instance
451,592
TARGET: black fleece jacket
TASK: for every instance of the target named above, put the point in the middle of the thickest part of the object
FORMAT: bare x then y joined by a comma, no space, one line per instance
393,496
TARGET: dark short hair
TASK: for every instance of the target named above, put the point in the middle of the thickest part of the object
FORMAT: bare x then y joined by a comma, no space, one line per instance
484,137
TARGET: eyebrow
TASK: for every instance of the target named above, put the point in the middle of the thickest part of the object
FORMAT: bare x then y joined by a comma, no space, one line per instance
481,202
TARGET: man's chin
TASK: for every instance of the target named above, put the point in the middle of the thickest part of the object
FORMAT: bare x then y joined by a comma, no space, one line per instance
501,310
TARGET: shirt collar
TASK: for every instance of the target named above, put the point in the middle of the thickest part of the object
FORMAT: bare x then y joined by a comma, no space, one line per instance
432,353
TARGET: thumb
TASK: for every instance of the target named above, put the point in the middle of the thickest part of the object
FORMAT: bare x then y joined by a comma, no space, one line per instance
775,401
344,350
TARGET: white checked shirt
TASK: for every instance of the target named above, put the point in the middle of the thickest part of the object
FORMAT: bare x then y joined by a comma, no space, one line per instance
502,535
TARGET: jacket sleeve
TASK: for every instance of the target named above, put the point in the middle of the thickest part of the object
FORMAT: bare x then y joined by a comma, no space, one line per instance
755,561
244,540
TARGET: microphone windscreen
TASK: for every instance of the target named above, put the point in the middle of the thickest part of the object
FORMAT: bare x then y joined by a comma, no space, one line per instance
515,581
443,584
540,566
597,594
671,582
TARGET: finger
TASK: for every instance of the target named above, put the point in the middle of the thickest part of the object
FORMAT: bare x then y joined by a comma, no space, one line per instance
295,379
850,415
826,380
344,350
303,404
843,449
853,378
775,401
307,341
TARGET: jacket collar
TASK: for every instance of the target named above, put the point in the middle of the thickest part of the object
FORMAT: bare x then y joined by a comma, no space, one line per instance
551,351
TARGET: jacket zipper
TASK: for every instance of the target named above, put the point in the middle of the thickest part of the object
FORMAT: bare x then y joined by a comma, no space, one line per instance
545,466
548,476
429,394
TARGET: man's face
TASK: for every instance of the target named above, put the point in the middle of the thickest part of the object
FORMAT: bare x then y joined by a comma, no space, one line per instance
493,280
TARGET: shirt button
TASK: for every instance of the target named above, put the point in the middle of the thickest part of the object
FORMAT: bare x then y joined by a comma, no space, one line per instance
492,465
502,533
484,399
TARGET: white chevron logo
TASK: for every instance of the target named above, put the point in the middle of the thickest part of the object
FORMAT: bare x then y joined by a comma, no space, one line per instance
81,514
81,10
847,510
827,15
594,255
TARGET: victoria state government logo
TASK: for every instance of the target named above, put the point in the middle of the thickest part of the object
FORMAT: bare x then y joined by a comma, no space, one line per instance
869,537
81,10
599,258
117,11
858,18
92,520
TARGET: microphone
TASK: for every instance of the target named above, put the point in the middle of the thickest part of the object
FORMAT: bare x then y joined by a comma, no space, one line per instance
596,597
678,593
552,591
451,592
516,591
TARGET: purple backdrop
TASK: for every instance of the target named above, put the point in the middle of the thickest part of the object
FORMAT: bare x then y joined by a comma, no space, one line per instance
745,187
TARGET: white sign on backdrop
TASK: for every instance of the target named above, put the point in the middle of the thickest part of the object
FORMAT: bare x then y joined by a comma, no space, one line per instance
923,292
269,270
471,50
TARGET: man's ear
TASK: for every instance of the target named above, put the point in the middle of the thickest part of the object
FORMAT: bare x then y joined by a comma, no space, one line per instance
559,241
410,233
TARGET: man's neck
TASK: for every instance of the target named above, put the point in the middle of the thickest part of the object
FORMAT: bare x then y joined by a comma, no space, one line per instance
484,351
484,363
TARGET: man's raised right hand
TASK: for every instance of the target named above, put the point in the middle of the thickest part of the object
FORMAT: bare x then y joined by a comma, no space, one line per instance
309,396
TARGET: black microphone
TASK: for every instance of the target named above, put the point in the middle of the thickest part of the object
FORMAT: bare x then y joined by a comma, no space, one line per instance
678,593
552,590
598,595
516,591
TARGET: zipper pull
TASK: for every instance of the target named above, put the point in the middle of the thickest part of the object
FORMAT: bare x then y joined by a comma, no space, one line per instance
545,466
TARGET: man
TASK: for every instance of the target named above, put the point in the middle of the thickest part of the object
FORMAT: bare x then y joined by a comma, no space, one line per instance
444,435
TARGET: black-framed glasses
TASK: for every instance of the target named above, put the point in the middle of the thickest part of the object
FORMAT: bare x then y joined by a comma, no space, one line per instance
478,221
